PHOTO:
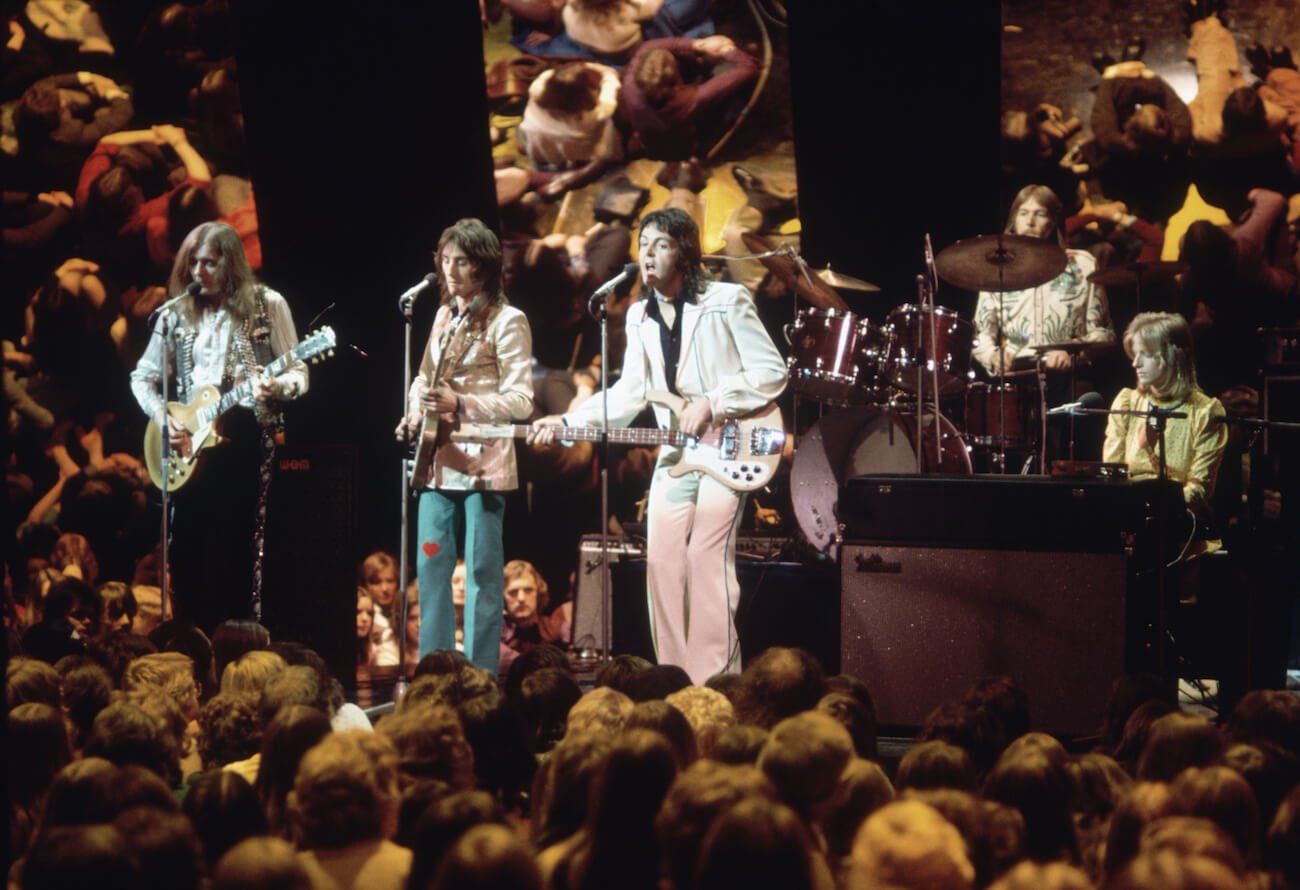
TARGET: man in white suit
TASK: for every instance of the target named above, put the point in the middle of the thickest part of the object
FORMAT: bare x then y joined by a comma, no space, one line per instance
703,341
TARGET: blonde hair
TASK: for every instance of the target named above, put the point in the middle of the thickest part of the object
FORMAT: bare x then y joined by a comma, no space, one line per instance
346,790
708,712
908,844
252,672
170,672
602,711
1168,336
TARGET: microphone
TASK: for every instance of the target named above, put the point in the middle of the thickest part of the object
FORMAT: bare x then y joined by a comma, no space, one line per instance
603,292
193,290
407,300
1088,401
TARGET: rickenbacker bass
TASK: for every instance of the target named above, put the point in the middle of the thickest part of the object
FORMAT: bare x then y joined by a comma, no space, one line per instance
743,453
201,414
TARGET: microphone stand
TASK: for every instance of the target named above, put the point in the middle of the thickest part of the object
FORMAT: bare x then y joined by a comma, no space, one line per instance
165,460
406,307
601,312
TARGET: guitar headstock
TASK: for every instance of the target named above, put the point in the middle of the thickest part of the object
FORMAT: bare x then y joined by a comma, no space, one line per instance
318,346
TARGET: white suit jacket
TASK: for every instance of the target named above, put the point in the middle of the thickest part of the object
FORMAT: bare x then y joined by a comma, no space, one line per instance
726,357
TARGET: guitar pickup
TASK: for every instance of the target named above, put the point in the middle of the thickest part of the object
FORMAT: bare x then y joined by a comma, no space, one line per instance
766,441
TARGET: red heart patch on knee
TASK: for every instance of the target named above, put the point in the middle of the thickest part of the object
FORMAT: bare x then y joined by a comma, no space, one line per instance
431,548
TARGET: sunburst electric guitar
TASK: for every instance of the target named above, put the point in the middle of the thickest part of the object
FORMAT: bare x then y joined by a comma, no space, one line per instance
201,414
742,453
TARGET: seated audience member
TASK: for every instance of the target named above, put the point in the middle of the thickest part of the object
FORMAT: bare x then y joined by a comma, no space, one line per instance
757,843
1168,870
1142,804
1160,345
804,757
30,680
365,628
618,671
994,833
698,796
431,744
657,682
119,607
1282,848
674,91
260,863
616,846
70,617
164,844
546,697
780,683
230,734
224,810
857,718
1040,789
561,792
85,690
708,712
935,764
863,788
252,672
445,821
491,857
739,745
1222,796
378,575
659,716
37,749
603,711
907,844
568,127
344,801
233,638
527,623
127,734
59,119
291,734
80,856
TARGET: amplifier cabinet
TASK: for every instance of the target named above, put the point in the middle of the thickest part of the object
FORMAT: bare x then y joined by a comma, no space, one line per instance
919,624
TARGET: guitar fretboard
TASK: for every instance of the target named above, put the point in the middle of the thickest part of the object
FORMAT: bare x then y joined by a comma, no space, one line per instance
620,435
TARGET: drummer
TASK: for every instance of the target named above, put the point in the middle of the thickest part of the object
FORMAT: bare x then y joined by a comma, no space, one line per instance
1067,309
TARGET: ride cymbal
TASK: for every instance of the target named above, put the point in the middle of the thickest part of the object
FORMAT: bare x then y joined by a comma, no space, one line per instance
999,262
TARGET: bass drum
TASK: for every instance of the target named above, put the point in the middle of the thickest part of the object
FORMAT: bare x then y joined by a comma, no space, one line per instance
856,441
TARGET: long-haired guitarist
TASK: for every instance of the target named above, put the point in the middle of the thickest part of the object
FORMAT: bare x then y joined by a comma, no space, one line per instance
222,331
477,368
701,340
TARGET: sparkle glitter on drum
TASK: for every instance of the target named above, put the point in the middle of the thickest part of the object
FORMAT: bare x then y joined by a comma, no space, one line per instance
945,346
835,356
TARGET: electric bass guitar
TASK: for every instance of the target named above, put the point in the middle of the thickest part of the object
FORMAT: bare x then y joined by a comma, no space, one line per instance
201,414
742,453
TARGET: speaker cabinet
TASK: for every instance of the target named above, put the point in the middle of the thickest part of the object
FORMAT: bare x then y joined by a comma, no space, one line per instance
919,624
309,568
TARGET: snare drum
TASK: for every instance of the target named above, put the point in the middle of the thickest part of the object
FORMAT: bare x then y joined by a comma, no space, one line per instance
835,356
1003,415
944,346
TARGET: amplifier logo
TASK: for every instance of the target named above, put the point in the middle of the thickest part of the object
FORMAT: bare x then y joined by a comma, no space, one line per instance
875,564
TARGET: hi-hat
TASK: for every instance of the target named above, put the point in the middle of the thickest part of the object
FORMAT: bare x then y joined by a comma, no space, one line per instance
999,262
848,282
1131,273
786,268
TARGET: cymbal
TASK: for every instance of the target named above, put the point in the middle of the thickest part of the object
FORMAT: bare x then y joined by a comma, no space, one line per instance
999,262
848,282
810,287
1074,347
1130,273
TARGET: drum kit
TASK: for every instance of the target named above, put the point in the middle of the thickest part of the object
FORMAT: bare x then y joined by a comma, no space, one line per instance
883,386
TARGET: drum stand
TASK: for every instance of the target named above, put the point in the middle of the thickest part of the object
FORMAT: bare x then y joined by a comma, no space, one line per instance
926,286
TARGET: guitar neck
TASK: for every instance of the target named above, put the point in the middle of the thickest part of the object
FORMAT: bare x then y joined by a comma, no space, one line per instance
618,435
244,390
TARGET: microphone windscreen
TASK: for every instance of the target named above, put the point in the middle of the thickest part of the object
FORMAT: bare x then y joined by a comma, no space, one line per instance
194,289
1091,400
